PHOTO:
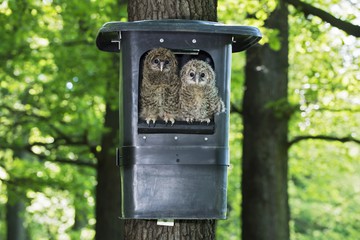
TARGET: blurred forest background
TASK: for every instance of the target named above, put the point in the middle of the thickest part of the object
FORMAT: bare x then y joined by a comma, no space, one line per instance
58,93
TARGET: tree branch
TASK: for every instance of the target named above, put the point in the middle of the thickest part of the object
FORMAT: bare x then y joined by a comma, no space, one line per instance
35,184
235,109
60,135
306,8
5,181
82,163
335,110
323,137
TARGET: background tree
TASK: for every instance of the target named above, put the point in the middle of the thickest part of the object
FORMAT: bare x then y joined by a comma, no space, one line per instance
265,210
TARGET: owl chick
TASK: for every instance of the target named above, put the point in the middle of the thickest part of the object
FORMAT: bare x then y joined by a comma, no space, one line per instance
159,91
198,95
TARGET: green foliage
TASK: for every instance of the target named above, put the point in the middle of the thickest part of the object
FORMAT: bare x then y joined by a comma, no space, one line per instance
324,80
53,89
324,196
282,108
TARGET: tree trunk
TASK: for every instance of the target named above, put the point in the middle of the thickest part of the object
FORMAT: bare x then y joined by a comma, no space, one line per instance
265,210
15,209
108,224
182,229
80,219
171,9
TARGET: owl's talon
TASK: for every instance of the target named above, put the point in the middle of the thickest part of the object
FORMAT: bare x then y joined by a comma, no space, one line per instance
169,119
205,120
189,120
149,120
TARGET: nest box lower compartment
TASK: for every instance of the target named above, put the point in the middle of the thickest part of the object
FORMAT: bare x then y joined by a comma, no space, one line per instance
174,191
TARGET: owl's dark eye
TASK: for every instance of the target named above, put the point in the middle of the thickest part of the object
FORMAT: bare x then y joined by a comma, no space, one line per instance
192,74
202,75
156,61
167,61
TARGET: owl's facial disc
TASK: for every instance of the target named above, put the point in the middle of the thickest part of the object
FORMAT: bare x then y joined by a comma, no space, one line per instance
197,78
162,65
202,79
192,77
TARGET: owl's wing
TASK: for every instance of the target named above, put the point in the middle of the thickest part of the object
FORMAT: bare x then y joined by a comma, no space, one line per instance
216,105
149,99
171,96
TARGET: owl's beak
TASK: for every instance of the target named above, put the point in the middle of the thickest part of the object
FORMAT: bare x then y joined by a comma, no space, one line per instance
161,66
197,79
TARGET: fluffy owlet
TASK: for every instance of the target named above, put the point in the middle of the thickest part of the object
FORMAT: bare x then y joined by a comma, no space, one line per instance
198,95
159,92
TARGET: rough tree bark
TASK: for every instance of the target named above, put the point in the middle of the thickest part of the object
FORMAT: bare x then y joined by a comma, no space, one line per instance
265,211
171,9
182,230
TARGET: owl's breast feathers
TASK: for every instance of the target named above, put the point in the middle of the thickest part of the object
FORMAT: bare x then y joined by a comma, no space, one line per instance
200,101
159,78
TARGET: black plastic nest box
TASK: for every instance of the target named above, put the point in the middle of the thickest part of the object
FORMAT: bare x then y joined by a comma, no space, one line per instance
173,171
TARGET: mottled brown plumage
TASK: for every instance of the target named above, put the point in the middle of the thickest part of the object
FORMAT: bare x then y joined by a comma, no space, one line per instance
198,95
159,93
